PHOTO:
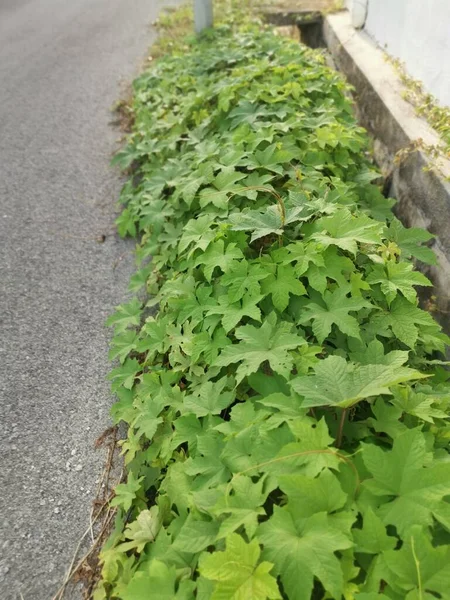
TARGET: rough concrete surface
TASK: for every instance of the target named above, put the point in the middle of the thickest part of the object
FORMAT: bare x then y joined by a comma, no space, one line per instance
423,195
61,62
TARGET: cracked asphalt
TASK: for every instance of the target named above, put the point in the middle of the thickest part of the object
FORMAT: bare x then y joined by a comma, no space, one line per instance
61,67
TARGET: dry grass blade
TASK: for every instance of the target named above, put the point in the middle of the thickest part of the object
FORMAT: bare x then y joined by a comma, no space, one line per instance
100,514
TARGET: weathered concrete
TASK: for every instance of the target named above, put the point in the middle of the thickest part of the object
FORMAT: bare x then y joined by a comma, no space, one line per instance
309,23
423,195
60,67
417,33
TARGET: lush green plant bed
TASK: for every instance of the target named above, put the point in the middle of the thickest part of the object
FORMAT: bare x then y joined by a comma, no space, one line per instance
286,404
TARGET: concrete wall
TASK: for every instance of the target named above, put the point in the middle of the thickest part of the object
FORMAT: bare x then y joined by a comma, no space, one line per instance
418,33
423,194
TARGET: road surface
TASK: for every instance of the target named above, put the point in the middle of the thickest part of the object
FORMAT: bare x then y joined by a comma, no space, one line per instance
61,64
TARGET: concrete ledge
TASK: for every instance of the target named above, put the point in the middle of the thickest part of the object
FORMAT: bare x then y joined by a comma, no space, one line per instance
309,23
423,196
293,17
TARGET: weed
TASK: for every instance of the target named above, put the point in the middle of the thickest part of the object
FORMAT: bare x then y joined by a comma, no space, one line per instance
287,411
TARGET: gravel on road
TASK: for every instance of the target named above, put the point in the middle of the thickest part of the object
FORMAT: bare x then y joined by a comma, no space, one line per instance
61,65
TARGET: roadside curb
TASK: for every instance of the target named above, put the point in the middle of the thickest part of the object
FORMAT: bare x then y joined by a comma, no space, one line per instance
422,193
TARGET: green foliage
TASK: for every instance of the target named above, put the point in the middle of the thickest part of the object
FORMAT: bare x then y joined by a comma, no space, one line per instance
339,383
237,572
286,405
271,342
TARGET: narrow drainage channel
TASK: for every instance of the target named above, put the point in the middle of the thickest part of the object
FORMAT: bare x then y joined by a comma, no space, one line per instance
305,26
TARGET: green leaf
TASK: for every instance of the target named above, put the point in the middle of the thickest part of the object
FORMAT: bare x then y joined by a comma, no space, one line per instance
367,176
207,463
208,399
308,496
143,530
371,596
271,159
224,185
190,189
249,179
147,421
421,405
259,223
335,310
338,383
330,265
404,319
126,315
243,277
216,256
206,346
237,572
153,337
374,354
122,345
281,285
307,358
198,232
387,418
155,576
125,374
123,409
255,180
271,342
227,178
191,307
411,240
373,538
232,314
243,505
397,277
306,546
246,112
357,284
344,230
418,570
125,493
413,487
187,428
195,536
310,454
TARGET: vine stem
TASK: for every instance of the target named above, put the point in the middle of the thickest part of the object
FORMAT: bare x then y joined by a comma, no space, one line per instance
73,569
341,428
417,563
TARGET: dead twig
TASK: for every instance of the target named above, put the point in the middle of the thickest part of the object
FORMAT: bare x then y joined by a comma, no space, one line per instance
71,570
100,513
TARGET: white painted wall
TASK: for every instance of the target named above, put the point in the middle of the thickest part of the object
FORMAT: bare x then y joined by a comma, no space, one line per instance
358,11
418,33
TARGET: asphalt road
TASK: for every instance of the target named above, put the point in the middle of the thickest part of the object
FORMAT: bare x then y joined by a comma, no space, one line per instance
61,64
